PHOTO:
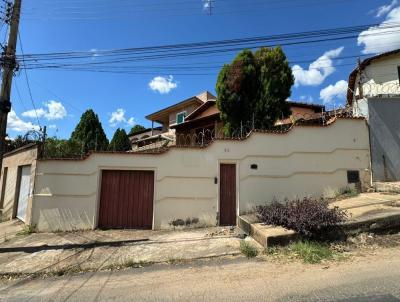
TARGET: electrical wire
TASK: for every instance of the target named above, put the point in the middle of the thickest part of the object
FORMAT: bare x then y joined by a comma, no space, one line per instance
27,83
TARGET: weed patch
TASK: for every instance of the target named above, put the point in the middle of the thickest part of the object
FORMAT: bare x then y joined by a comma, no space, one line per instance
312,252
247,249
172,260
27,230
308,251
346,192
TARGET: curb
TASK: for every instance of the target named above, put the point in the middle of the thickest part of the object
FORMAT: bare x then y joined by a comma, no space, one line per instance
48,274
374,224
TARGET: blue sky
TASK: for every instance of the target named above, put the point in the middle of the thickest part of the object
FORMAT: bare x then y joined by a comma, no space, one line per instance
122,100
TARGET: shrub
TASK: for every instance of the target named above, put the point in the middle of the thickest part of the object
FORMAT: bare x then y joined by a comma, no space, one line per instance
309,217
247,249
26,230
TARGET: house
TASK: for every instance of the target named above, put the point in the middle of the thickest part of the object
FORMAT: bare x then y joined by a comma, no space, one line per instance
140,139
374,77
374,93
204,123
197,120
168,117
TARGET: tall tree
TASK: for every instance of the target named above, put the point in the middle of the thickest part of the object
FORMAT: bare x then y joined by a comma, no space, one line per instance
276,80
89,133
254,89
136,128
237,89
120,141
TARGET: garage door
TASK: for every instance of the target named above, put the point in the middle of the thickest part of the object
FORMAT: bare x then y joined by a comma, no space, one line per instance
24,188
126,199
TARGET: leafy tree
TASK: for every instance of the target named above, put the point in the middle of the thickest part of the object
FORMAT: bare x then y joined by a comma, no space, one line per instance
120,141
12,144
136,128
237,89
62,148
254,88
89,132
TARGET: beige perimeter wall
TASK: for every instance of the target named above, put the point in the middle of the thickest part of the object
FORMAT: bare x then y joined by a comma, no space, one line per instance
304,161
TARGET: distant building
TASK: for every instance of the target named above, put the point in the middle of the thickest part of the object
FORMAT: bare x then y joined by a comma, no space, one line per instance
374,93
377,76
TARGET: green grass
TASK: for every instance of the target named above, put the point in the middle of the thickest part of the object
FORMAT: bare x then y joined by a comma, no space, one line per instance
173,260
347,192
247,249
27,230
312,252
308,251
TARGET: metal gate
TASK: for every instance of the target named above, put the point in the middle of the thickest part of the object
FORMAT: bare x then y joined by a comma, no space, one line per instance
126,199
24,189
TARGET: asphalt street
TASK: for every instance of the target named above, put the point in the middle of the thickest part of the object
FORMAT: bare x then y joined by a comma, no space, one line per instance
372,277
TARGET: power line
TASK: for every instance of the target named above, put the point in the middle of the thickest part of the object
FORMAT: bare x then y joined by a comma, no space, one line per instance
137,58
58,98
27,83
116,56
79,11
215,43
19,96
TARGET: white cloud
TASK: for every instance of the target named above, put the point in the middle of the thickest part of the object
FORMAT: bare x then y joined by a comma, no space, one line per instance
318,70
163,85
336,92
131,122
31,113
54,111
94,53
53,126
383,37
384,9
118,117
14,123
306,98
206,4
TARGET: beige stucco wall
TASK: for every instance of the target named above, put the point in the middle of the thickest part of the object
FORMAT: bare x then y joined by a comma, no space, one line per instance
12,162
305,161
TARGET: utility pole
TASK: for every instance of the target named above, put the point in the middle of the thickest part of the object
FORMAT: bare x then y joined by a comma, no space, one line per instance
9,65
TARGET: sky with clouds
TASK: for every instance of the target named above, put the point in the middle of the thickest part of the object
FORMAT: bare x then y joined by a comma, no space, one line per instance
123,100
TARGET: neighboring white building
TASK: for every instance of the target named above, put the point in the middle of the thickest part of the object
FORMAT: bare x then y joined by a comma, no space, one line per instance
377,76
374,93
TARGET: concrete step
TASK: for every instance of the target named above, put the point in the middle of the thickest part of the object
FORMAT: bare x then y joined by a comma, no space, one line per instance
388,187
266,235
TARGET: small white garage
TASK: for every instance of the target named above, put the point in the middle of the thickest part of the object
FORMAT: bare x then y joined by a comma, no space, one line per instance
17,183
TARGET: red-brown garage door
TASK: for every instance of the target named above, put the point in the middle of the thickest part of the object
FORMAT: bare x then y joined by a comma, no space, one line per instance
126,199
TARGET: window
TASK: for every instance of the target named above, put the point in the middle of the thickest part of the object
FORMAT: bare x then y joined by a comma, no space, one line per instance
180,117
353,177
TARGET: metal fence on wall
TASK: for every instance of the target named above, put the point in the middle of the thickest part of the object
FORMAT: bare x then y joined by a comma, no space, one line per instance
204,137
200,138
